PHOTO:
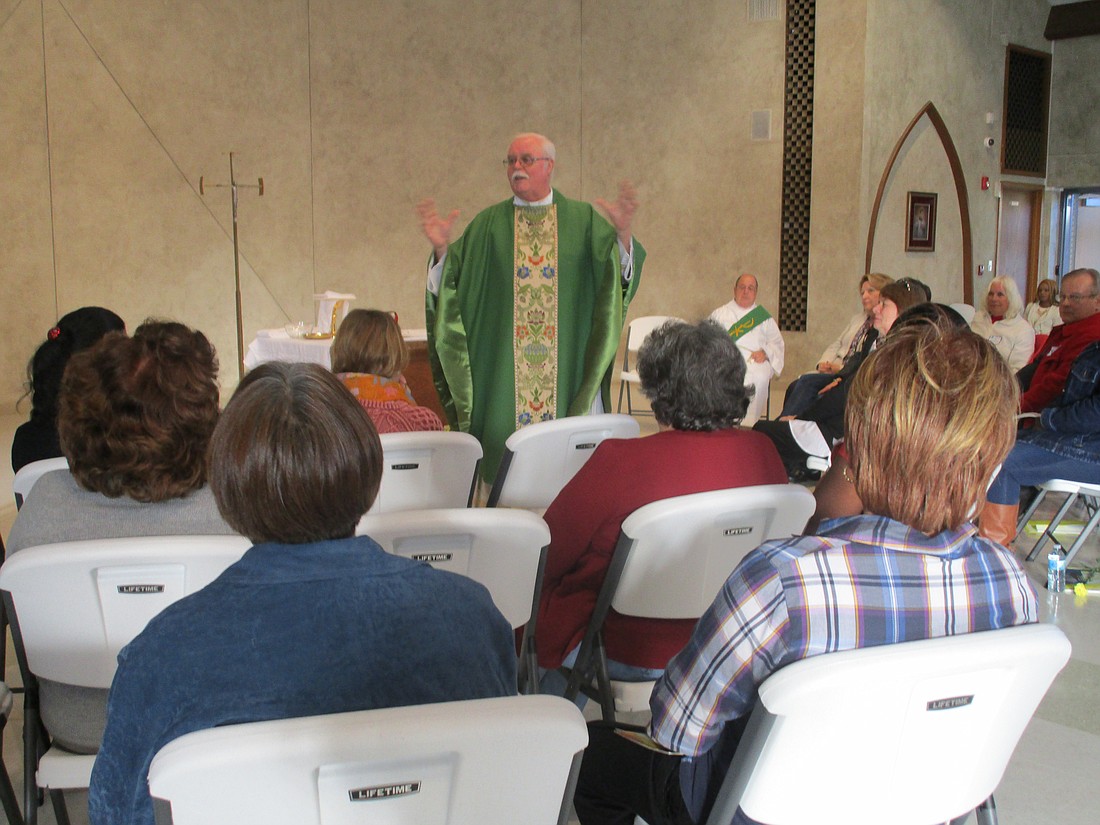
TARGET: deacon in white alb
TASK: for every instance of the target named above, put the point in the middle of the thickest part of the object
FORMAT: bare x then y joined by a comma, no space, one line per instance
757,336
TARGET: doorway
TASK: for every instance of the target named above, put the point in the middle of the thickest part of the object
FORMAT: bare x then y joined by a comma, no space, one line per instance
1080,240
1019,220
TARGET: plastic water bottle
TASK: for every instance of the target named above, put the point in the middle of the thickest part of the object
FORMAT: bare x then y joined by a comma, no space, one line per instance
1056,569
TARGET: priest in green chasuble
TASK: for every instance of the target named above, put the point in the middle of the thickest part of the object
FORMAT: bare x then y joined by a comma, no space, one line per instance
526,308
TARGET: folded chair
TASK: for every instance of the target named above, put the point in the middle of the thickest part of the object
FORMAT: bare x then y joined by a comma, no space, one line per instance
508,760
505,550
541,459
73,606
672,558
909,734
1088,493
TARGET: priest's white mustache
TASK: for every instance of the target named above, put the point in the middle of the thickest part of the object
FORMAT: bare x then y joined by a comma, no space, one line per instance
519,175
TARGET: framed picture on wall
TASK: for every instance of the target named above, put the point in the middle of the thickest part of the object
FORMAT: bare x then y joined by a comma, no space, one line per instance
920,222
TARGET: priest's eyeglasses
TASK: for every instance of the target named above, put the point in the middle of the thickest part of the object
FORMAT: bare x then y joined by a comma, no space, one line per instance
523,160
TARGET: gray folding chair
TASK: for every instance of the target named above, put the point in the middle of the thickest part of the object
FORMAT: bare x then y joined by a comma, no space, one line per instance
1089,494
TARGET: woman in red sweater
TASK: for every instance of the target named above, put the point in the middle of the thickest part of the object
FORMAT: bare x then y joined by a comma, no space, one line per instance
694,377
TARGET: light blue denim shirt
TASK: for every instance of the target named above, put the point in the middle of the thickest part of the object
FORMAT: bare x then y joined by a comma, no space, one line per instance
290,631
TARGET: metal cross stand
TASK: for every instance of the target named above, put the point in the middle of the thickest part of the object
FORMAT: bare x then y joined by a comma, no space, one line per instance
233,186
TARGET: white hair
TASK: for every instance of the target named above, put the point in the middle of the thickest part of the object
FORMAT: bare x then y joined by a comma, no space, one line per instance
1015,302
547,144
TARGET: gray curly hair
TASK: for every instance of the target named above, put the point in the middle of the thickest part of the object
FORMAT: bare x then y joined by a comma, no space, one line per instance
694,376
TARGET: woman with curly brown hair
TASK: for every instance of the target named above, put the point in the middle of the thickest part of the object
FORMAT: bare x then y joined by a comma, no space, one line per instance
135,416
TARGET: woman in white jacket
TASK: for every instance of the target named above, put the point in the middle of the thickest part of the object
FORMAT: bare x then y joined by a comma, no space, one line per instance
1002,321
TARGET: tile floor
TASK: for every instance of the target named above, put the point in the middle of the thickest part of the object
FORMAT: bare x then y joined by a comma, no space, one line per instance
1048,782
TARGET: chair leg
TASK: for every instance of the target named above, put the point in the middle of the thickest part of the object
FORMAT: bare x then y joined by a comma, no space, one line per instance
60,812
30,764
1054,522
528,667
987,812
1030,511
603,683
1094,519
10,801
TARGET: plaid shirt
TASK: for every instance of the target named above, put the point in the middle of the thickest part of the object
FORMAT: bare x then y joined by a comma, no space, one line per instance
864,581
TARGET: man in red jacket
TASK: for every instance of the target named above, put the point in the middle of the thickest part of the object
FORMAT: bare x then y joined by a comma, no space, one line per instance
1042,380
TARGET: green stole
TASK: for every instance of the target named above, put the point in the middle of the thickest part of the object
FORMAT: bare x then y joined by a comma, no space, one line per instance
749,322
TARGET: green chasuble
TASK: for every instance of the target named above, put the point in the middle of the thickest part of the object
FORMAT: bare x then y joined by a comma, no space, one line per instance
471,327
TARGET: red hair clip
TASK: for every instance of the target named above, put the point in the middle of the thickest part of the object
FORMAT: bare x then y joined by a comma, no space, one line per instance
54,333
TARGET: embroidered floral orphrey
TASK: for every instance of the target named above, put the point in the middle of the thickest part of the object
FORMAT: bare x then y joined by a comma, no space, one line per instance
536,314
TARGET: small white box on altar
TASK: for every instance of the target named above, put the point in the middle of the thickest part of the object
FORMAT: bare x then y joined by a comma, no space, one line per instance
332,308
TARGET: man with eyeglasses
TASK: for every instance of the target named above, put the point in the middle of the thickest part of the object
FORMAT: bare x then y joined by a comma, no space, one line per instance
1063,386
526,308
1042,380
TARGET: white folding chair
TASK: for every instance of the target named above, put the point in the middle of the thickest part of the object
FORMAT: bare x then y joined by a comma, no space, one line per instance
506,760
965,310
909,733
541,459
73,606
1088,493
28,475
505,550
424,470
636,334
672,558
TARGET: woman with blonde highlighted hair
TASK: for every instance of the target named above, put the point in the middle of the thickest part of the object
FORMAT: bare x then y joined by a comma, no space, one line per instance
1001,321
368,356
930,417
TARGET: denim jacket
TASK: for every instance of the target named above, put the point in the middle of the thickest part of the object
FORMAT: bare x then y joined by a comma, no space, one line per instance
1071,426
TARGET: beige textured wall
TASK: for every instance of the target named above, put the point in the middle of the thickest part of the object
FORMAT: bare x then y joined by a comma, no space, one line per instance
353,110
950,53
1074,150
836,232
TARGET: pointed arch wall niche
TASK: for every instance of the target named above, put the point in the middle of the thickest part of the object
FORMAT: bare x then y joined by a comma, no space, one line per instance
929,110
